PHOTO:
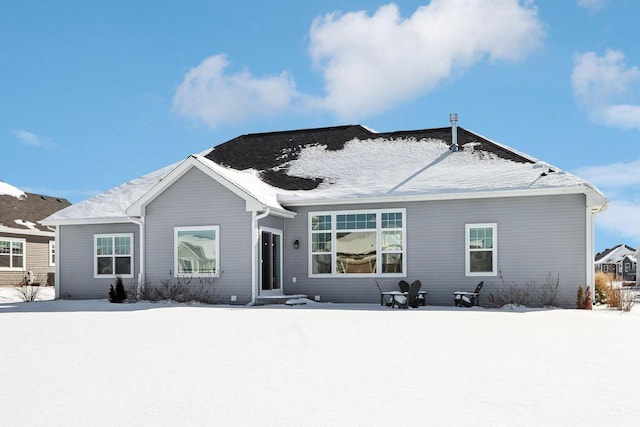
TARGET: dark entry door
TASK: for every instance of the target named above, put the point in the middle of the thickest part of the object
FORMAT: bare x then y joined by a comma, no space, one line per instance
271,260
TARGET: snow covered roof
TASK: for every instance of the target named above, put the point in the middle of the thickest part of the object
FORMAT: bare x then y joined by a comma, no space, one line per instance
348,164
614,255
20,212
7,189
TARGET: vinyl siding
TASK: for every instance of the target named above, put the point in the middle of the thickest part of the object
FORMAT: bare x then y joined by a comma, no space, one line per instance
37,260
76,258
538,237
198,200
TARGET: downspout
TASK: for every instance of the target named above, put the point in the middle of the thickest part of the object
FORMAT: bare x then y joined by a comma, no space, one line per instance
254,250
140,222
591,215
57,269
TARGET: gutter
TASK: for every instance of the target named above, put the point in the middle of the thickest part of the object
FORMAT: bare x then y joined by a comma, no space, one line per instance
254,246
140,222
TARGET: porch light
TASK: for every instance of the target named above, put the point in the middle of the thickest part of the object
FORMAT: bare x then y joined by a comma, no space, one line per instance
296,244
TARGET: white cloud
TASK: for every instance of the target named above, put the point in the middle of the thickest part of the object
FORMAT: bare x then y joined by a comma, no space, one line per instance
592,5
602,84
621,174
621,184
28,138
370,63
210,95
622,218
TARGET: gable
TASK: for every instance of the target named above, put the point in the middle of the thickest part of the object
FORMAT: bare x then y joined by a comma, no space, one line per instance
247,187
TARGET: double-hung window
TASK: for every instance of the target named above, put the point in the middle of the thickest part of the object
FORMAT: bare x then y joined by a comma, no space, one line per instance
12,254
197,251
481,256
368,242
113,255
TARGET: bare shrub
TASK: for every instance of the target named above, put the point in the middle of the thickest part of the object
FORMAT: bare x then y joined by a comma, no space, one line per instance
530,295
28,286
181,289
628,297
27,293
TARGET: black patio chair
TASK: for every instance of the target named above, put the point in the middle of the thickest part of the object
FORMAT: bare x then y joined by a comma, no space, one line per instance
403,285
467,299
408,299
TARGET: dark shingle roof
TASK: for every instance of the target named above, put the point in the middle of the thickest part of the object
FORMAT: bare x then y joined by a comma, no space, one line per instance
606,252
33,208
270,152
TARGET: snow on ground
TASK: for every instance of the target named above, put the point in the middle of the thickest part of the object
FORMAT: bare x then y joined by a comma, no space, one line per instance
78,363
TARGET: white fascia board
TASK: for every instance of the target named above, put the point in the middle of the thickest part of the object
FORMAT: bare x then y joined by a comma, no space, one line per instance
25,232
87,221
594,198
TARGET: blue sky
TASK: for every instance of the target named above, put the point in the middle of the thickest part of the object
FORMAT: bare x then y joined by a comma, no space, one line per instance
93,94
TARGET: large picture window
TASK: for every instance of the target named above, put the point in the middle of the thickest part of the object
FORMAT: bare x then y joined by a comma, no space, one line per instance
197,251
113,255
12,254
357,243
481,257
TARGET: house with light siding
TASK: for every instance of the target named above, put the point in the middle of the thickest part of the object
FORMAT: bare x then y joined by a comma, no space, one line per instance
27,248
328,212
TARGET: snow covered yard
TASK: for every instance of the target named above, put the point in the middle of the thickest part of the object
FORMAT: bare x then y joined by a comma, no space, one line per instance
78,363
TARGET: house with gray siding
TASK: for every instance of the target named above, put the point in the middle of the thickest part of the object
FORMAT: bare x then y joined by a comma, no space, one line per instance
329,212
619,262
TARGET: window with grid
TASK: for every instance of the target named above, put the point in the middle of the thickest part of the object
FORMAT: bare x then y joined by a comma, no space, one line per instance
12,254
481,249
113,255
357,243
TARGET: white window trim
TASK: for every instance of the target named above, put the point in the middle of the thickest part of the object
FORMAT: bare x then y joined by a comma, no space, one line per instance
95,256
216,228
379,252
467,250
24,254
52,252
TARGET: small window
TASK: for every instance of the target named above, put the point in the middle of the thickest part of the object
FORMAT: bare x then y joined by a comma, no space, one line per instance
52,253
113,255
481,256
12,254
626,268
197,251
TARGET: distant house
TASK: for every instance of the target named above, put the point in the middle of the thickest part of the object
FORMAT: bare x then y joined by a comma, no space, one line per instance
619,261
328,212
25,245
637,255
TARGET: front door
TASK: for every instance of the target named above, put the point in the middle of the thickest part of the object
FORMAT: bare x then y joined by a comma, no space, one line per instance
271,261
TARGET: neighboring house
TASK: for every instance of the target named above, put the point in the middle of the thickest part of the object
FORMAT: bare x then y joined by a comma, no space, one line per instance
618,261
25,245
637,255
628,268
328,212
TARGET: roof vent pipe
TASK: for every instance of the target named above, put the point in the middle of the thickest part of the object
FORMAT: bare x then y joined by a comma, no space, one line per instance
453,118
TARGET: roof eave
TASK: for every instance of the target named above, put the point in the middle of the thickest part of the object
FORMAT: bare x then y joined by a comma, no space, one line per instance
86,221
26,232
595,199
